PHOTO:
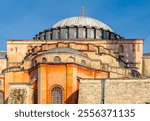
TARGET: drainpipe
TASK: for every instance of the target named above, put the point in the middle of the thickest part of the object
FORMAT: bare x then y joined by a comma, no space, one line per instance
103,91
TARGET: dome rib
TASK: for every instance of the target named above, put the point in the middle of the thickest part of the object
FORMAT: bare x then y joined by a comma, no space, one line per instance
81,21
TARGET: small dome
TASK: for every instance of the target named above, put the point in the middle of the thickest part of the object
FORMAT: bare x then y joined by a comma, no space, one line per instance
82,21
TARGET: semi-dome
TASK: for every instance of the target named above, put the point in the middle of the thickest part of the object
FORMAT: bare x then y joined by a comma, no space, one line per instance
81,21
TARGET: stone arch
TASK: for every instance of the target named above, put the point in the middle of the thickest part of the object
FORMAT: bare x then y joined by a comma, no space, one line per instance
56,94
57,59
71,59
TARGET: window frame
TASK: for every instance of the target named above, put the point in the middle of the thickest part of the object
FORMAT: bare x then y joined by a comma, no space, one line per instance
61,97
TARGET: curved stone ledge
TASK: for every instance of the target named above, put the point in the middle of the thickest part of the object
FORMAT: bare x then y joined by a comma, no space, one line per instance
12,69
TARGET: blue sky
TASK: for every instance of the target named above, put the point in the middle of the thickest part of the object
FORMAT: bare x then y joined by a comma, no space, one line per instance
22,19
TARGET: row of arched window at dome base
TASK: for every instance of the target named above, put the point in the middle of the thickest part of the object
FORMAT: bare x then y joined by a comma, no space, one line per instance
57,59
76,32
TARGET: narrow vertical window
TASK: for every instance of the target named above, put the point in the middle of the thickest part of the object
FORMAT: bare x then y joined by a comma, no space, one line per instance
56,95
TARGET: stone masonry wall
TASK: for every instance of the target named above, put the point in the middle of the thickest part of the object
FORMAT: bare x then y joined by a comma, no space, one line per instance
90,92
127,91
116,91
146,66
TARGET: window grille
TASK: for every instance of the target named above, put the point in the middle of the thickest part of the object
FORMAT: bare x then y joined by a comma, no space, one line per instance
56,95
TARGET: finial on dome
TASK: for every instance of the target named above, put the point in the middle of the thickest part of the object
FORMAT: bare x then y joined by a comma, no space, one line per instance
82,11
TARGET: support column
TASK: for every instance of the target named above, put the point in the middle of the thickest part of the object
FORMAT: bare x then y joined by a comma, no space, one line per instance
42,85
71,84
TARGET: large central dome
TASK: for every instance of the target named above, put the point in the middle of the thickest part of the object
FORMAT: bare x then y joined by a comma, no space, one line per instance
79,27
81,21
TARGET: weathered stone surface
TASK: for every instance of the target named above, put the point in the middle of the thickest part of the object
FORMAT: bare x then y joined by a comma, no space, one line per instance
116,91
17,96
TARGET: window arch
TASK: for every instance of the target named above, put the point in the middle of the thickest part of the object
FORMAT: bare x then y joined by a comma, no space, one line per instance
1,97
44,60
56,95
57,59
71,59
120,49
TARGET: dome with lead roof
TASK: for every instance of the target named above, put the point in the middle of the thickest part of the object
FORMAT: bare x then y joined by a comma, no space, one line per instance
82,21
79,27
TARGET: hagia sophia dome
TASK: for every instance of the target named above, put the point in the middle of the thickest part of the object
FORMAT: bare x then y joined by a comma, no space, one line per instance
81,21
79,27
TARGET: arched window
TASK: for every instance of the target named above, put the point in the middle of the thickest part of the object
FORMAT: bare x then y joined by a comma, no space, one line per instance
112,36
56,95
44,60
71,59
57,59
120,49
1,97
83,62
